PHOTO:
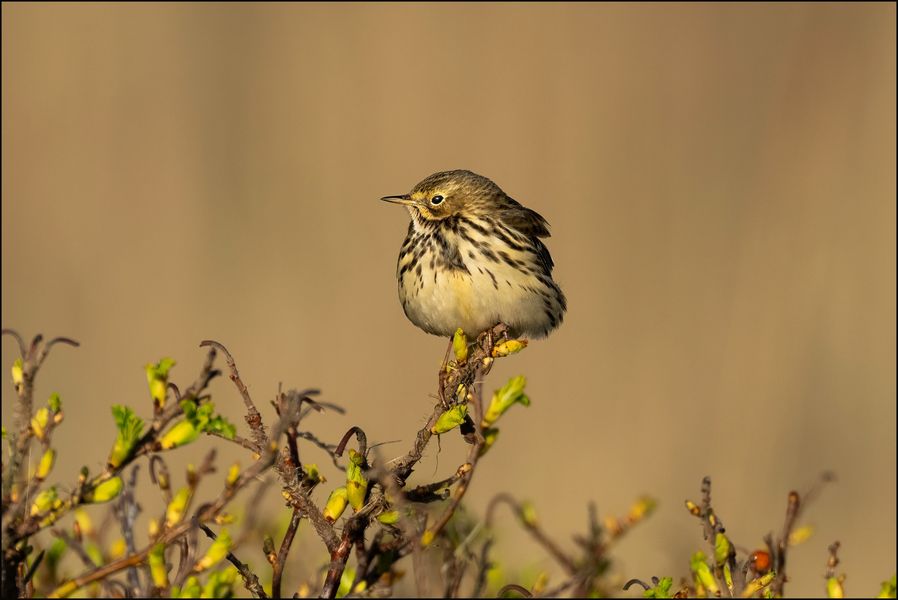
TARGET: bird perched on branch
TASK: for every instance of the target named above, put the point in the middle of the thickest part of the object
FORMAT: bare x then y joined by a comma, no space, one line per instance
473,257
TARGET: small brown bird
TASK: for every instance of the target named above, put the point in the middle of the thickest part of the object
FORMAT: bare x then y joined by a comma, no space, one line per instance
473,258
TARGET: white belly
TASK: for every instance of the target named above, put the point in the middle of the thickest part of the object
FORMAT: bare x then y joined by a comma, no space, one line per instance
441,301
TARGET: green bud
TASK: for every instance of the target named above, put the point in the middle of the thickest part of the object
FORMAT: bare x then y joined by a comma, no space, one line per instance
45,501
661,589
220,584
336,504
489,438
450,419
105,491
182,433
158,569
510,393
389,518
356,482
94,553
54,402
528,514
888,588
722,548
702,573
130,427
177,507
157,378
54,554
460,345
191,589
346,580
46,464
217,551
313,475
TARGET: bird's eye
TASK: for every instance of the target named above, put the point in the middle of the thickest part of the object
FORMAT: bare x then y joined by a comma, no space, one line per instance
436,200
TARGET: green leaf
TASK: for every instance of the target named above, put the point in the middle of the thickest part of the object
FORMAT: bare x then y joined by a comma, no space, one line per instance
202,417
450,419
55,402
130,428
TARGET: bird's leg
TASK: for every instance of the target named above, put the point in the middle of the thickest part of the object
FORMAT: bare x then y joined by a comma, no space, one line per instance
444,374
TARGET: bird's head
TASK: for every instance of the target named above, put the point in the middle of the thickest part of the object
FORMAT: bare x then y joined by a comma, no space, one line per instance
449,193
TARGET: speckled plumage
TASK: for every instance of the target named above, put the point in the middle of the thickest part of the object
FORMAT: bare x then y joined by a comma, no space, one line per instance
473,257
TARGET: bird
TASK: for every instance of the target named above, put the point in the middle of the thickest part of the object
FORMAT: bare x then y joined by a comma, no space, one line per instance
474,258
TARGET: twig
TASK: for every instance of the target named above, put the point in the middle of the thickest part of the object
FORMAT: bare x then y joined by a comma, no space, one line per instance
253,418
532,528
278,568
250,580
513,587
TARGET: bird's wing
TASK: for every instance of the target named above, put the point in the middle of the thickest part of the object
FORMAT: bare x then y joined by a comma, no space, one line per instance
528,222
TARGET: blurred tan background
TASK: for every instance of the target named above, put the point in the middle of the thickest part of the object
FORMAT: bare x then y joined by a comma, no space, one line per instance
720,182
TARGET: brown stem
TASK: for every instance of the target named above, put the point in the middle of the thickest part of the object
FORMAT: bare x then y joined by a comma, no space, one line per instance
278,569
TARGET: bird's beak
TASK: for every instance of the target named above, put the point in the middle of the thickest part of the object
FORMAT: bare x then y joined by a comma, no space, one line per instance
403,199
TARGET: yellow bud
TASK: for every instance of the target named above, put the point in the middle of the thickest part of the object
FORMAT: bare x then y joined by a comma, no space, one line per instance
83,522
528,514
192,476
182,433
105,491
65,590
540,584
460,346
693,508
389,518
158,569
508,347
427,538
757,584
233,474
224,519
153,528
177,507
801,535
18,373
834,587
641,509
44,501
217,551
46,464
336,504
118,548
157,378
39,422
